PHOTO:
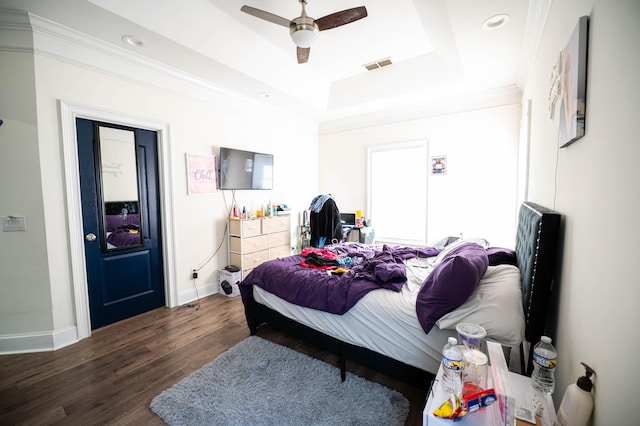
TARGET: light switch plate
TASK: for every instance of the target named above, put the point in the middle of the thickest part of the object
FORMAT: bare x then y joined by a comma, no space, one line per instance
14,223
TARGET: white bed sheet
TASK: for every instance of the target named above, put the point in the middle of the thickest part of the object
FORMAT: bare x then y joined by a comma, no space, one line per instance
394,332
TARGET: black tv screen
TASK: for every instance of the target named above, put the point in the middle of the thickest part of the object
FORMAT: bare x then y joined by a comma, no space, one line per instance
245,169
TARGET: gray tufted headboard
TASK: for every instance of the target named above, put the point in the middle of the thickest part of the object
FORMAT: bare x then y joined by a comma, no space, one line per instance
536,252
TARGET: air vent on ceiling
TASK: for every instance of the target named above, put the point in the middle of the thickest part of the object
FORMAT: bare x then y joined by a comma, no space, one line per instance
378,64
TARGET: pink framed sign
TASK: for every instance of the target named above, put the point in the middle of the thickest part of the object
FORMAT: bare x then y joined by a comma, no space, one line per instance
202,174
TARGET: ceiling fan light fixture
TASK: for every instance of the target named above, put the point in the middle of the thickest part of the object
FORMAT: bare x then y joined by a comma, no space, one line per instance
304,32
304,29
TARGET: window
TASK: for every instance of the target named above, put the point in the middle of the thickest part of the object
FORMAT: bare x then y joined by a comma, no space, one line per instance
398,192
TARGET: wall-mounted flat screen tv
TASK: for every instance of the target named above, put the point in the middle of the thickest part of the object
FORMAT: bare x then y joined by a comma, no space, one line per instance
245,169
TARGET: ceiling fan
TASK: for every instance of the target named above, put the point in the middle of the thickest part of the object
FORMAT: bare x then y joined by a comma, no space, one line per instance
304,29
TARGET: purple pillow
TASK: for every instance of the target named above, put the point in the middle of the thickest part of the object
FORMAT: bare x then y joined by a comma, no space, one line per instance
501,256
451,283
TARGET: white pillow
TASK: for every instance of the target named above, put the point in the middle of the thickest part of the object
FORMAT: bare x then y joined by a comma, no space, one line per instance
481,241
495,304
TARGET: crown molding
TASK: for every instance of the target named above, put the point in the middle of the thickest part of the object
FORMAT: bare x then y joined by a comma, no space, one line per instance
65,44
29,33
15,31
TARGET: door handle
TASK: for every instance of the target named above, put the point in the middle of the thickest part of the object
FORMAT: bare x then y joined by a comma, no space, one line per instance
90,237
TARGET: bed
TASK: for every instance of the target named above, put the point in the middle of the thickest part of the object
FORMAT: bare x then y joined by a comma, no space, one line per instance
400,330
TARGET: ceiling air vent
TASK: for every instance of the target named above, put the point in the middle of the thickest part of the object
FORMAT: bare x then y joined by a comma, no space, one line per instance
378,64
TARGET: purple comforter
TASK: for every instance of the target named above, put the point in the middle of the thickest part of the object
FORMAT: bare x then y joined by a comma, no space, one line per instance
373,268
125,237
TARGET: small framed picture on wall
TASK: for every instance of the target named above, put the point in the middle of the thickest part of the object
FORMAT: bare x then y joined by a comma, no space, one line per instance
439,165
202,176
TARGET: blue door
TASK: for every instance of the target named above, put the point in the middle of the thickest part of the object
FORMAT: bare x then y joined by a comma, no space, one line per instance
121,218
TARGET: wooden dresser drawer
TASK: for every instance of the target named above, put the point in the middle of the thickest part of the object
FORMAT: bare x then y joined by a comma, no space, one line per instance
276,224
280,239
249,261
245,228
280,251
248,245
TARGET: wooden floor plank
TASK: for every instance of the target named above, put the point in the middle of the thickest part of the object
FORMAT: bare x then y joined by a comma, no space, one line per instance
112,376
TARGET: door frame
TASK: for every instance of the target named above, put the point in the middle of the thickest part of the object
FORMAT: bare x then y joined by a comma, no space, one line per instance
68,114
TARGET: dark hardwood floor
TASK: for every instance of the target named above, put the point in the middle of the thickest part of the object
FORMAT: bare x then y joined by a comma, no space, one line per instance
111,377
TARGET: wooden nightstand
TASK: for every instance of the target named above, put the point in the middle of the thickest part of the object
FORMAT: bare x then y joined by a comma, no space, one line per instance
525,396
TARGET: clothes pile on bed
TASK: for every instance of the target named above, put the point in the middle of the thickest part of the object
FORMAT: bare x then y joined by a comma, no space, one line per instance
372,268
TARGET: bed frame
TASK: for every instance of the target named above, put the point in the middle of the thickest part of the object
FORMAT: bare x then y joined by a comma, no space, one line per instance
536,247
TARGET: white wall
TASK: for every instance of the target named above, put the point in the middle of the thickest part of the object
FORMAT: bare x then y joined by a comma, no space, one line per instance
24,292
481,150
35,269
597,193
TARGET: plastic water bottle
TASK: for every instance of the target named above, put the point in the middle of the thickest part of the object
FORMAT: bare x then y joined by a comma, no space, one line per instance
452,367
544,365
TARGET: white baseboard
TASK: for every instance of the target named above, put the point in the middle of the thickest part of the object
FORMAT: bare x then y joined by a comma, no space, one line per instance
38,342
189,295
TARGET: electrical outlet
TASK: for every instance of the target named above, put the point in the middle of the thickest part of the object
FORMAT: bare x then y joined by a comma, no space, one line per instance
194,274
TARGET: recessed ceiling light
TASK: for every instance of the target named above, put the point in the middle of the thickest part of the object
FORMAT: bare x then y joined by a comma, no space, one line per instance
132,40
496,21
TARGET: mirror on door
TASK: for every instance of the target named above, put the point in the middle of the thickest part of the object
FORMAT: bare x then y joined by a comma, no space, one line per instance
121,224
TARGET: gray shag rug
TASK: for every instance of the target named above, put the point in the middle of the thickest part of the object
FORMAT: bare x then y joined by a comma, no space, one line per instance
258,382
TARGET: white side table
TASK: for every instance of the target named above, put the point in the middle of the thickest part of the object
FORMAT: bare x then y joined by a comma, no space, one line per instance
524,393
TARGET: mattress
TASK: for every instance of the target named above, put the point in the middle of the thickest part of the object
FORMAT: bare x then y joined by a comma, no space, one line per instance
383,321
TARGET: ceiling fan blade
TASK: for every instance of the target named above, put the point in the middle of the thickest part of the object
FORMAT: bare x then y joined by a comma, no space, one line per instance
303,54
341,18
266,16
